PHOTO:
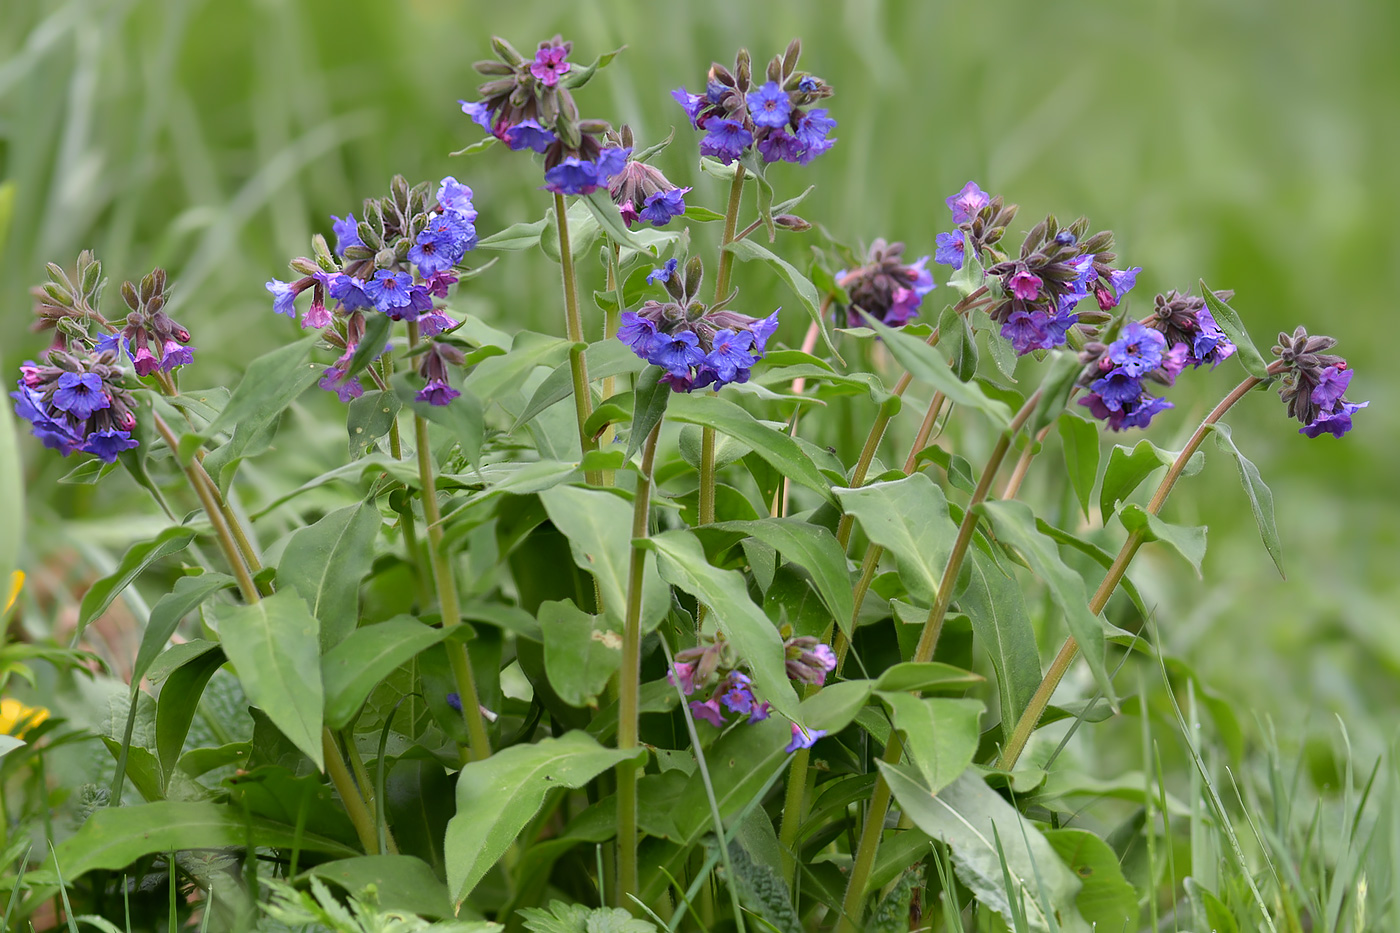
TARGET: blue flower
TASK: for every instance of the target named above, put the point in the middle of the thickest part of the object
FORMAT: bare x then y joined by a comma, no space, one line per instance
812,132
80,394
457,198
1026,331
1332,385
691,103
662,274
576,176
1124,280
725,140
528,134
347,233
110,342
442,244
389,290
737,695
174,353
730,357
1210,344
480,113
105,445
660,207
284,297
436,393
676,353
949,249
762,329
1335,423
966,204
803,738
769,105
350,292
808,84
1057,327
332,381
1118,389
1141,413
780,146
1138,350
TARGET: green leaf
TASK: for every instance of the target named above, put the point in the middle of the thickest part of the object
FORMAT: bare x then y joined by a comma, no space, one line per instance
1080,442
1014,523
87,473
748,250
909,518
576,918
702,214
1225,316
958,469
1055,387
928,365
1127,468
604,358
609,218
515,237
940,734
140,556
188,593
925,676
175,708
1261,499
813,548
741,763
353,668
957,341
969,277
1105,898
762,890
370,345
1189,542
1101,557
462,416
114,837
401,882
497,797
481,145
598,525
581,652
649,402
997,608
776,447
583,231
681,560
275,648
271,383
578,77
371,416
325,563
981,831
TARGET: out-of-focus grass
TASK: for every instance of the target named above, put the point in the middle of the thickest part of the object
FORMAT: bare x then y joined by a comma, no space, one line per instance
1251,142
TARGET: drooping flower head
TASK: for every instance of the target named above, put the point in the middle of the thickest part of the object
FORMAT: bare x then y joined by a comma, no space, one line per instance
641,191
433,366
885,287
773,115
153,340
1313,384
77,402
808,660
1186,321
1115,375
697,345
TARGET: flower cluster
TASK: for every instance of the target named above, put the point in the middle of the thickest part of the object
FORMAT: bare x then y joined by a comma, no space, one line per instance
527,105
1115,374
696,345
407,230
739,114
695,669
77,402
980,217
1314,382
148,326
885,287
1186,321
639,190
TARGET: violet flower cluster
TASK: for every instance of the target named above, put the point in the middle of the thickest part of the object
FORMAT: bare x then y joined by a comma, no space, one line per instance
695,669
1186,321
740,114
368,274
640,191
1313,384
698,346
1115,374
77,402
885,287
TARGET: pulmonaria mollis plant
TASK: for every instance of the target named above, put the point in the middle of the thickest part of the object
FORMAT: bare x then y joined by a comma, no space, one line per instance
635,534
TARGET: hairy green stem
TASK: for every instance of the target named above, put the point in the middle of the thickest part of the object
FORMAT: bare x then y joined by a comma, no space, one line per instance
629,681
1030,716
479,746
573,323
354,804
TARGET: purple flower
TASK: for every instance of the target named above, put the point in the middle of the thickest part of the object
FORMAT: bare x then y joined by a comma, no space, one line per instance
347,233
676,353
331,381
1025,285
1057,327
480,113
780,146
174,353
812,132
144,361
708,711
438,282
436,393
575,176
1139,414
1026,331
528,134
350,292
659,208
611,161
949,249
112,342
442,244
1118,389
769,105
316,315
105,445
730,357
1124,280
1084,273
762,329
725,140
1173,362
803,738
1209,345
760,711
691,103
683,674
457,198
1335,423
1332,386
662,274
284,296
434,322
549,65
737,695
1138,350
389,290
637,332
967,202
80,394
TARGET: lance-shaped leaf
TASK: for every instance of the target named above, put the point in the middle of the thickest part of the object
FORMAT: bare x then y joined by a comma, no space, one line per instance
401,882
1189,542
179,698
681,560
940,734
994,603
498,796
275,647
353,668
776,447
1127,468
462,416
909,518
984,833
271,383
1261,499
957,341
1079,440
1225,316
813,548
188,593
748,250
140,556
325,563
604,358
1106,899
515,237
1014,523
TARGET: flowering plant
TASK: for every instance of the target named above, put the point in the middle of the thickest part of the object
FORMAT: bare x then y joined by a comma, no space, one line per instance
612,589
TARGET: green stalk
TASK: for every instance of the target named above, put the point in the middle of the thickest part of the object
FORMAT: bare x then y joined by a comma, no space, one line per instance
407,523
354,803
1030,716
612,320
629,682
479,746
726,267
573,323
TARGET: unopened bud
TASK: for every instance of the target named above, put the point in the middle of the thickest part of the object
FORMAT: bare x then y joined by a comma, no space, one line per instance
58,294
594,127
129,295
792,222
386,258
506,51
492,67
304,266
694,274
324,258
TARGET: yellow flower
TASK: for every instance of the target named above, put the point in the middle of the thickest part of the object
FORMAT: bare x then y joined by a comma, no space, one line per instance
16,718
16,583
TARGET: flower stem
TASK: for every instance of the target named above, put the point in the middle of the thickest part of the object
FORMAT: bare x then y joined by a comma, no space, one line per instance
1030,716
726,266
479,741
573,323
354,803
629,681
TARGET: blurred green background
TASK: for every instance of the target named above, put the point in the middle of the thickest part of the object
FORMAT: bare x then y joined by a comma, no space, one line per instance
1254,143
